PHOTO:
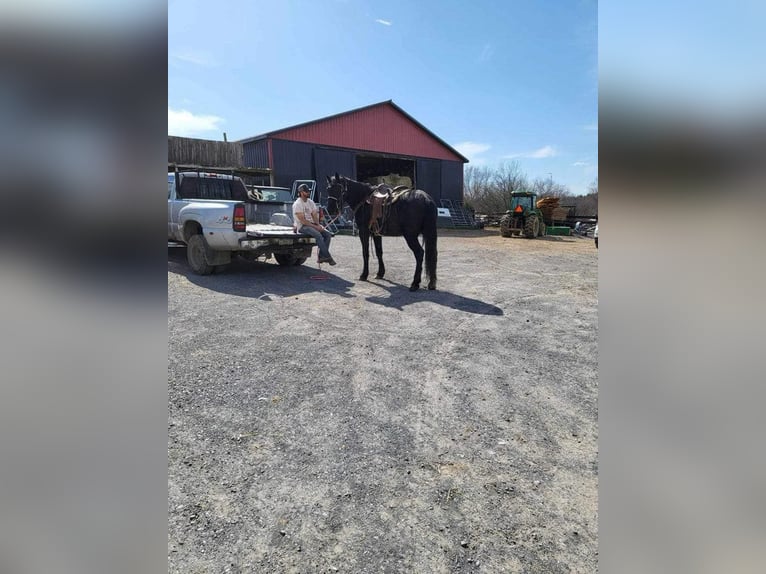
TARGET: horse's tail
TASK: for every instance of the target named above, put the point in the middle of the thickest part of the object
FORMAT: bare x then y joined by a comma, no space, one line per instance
429,238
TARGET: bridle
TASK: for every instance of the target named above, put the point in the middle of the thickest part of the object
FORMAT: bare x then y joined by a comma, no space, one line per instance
340,184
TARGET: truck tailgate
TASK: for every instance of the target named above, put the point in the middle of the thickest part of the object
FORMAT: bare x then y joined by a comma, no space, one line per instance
265,230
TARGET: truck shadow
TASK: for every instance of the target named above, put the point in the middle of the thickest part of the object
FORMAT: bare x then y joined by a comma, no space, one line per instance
261,280
400,296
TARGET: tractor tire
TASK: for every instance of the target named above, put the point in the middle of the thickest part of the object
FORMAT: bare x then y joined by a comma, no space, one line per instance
542,230
195,255
531,227
286,259
505,226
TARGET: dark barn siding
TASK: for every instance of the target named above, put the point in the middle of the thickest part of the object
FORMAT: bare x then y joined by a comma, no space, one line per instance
452,180
330,161
256,154
428,177
292,160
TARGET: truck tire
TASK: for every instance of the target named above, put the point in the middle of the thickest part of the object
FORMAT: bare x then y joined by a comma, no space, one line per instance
300,260
195,255
531,227
285,258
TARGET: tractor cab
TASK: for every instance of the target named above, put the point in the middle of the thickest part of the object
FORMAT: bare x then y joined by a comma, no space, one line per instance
522,202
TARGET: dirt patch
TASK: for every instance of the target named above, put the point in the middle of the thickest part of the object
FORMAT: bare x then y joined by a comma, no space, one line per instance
320,424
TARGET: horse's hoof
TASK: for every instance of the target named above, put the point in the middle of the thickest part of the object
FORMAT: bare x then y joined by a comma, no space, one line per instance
379,276
431,287
414,287
363,278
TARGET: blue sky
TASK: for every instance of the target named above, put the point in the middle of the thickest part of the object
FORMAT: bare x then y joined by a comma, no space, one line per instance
499,80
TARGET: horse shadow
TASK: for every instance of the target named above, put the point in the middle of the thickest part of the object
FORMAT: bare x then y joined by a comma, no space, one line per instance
261,280
399,296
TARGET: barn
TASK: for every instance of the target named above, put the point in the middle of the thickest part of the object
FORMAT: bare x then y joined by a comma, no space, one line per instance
366,144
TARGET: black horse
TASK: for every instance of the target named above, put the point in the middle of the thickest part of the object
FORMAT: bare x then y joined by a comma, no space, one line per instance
413,213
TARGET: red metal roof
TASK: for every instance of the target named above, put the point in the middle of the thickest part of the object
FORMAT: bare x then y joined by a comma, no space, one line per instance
382,127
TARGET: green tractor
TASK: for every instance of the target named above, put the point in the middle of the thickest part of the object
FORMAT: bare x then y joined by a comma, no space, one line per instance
524,218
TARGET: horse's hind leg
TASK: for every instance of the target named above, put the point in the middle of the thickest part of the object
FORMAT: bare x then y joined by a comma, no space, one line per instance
417,250
365,239
378,241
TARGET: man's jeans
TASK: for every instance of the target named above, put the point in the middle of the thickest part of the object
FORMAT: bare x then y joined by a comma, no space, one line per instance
323,240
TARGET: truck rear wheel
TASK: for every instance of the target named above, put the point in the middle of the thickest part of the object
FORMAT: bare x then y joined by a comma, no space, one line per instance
285,258
195,255
299,260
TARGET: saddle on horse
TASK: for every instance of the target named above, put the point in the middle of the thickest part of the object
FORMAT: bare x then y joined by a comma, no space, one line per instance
381,200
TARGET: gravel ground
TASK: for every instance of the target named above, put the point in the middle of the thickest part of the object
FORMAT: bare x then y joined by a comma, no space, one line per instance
322,424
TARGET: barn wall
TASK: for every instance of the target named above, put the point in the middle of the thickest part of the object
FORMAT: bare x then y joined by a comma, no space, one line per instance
452,180
256,153
428,177
327,162
291,161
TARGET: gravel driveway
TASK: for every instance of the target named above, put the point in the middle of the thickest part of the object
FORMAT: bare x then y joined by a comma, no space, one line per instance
322,424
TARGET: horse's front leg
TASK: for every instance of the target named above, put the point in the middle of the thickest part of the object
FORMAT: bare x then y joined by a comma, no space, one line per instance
378,240
417,250
365,239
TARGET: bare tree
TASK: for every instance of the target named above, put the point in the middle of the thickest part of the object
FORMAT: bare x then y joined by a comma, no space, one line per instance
489,190
475,185
549,188
506,179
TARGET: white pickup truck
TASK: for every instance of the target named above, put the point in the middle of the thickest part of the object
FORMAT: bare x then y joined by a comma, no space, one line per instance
216,215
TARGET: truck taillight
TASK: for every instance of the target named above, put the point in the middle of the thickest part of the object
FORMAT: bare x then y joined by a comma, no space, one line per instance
239,222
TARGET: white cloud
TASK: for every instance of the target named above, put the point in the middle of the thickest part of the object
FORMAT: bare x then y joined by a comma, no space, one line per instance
472,150
591,127
543,152
186,124
384,22
581,164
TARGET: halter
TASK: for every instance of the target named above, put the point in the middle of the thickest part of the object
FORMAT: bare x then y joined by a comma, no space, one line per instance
339,182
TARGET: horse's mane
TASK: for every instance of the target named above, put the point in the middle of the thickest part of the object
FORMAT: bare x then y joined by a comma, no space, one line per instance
358,190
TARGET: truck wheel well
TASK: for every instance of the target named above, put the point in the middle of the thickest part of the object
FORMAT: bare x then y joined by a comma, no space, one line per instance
191,228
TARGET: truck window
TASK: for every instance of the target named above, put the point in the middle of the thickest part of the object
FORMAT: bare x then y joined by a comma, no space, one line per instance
212,188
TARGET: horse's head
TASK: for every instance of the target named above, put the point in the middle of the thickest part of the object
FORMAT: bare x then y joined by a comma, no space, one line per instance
336,190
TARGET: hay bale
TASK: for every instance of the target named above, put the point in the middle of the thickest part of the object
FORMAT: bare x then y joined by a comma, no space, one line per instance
392,179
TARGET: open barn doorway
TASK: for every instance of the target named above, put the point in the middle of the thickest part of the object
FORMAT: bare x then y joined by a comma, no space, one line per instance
377,169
